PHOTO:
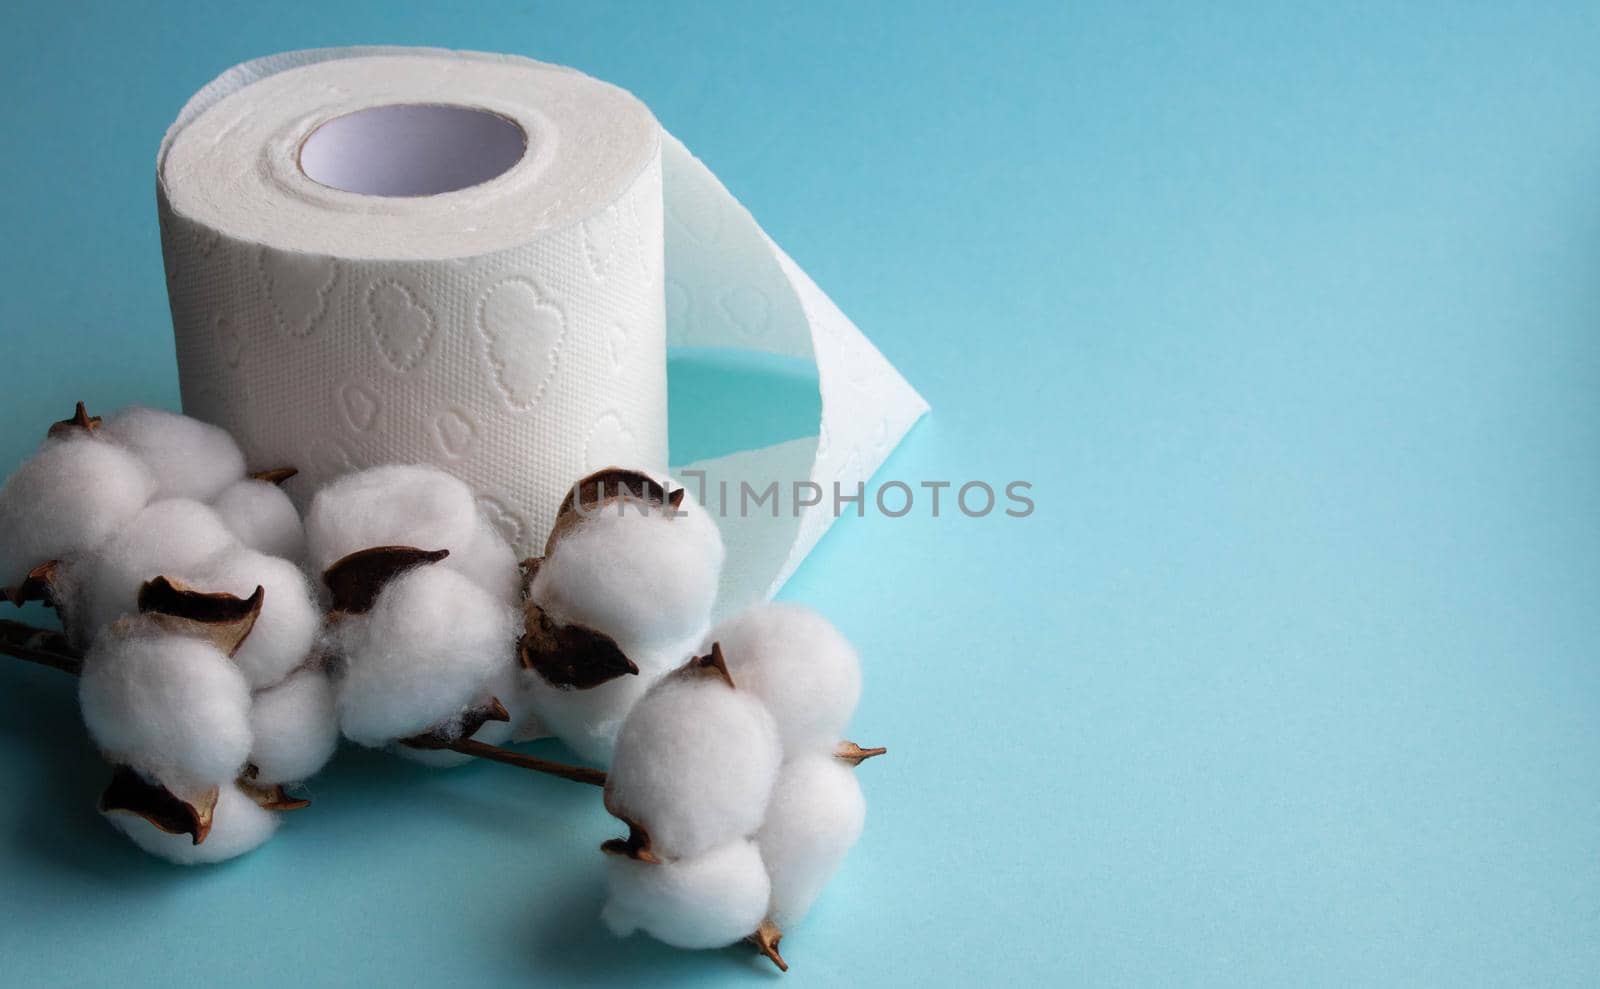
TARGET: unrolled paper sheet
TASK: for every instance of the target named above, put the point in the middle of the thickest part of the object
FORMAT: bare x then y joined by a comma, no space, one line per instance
513,332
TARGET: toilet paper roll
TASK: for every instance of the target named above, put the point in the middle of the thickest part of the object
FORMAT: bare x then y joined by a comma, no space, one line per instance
383,255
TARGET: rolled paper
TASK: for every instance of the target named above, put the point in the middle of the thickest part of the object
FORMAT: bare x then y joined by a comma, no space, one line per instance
475,261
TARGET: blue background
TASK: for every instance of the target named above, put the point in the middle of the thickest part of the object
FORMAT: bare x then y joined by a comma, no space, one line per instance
1291,314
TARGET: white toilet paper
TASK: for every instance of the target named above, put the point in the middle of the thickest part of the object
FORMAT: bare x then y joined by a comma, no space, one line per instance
492,293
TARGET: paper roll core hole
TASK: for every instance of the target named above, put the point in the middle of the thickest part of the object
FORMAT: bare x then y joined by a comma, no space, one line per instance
412,149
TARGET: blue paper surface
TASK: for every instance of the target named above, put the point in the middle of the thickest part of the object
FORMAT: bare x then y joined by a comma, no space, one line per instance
1290,313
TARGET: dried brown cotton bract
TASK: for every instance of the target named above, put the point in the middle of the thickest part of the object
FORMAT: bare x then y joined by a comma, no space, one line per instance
406,505
425,653
238,825
365,527
287,627
176,537
643,572
627,584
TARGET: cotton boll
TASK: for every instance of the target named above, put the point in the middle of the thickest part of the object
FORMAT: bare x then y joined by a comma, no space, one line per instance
588,720
66,499
411,506
814,818
171,706
806,673
397,505
503,688
426,651
530,729
509,685
261,516
488,561
177,538
694,764
709,901
294,727
646,580
238,825
287,627
190,458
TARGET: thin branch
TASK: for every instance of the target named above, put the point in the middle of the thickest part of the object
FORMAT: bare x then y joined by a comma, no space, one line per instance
39,645
50,648
494,753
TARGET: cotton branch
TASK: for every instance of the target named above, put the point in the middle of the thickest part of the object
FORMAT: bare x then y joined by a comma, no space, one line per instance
494,753
50,648
39,645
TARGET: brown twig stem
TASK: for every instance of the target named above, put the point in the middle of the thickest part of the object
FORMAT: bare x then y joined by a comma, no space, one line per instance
494,753
39,645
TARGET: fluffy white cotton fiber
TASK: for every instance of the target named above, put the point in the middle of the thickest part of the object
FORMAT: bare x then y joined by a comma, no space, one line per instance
646,580
694,771
815,817
238,825
171,706
189,458
388,506
294,727
398,505
425,652
510,685
505,686
287,627
709,901
798,664
694,764
405,505
65,499
588,720
177,538
488,561
261,516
